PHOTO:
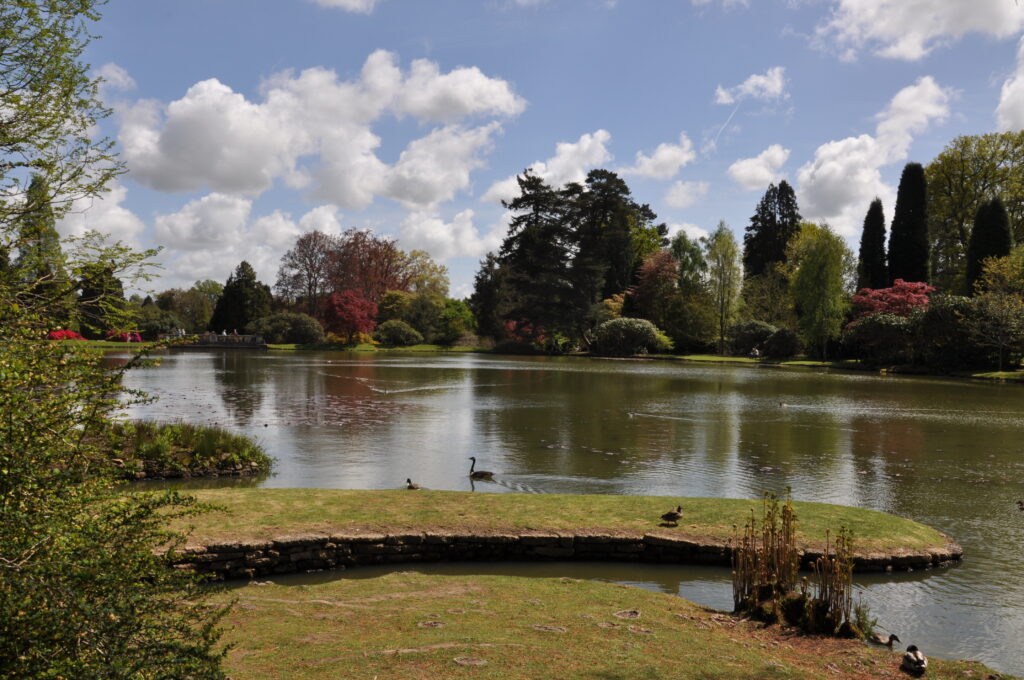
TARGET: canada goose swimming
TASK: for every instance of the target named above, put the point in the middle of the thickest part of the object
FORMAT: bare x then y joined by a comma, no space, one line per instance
478,474
673,516
412,486
914,662
879,640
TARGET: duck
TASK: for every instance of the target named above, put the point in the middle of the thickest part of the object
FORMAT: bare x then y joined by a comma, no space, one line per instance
673,516
1020,505
411,485
478,474
880,640
914,662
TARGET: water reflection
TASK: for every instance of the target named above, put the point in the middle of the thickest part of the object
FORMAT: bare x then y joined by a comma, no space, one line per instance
942,452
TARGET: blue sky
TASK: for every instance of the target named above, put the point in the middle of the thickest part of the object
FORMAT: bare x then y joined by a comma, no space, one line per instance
244,123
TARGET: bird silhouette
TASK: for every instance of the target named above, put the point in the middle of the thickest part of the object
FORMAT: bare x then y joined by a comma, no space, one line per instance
673,516
478,474
412,486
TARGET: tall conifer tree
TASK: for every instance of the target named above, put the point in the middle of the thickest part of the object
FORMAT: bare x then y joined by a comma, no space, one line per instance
244,300
775,222
991,237
871,269
908,238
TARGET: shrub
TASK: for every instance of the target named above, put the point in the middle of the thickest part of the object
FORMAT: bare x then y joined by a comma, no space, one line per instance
287,327
395,333
782,344
63,335
942,336
901,299
626,337
746,335
124,336
880,338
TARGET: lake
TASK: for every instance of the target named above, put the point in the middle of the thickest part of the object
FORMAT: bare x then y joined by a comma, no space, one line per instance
947,453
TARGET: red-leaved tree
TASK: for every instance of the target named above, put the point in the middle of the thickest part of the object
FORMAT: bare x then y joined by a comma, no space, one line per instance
348,313
900,299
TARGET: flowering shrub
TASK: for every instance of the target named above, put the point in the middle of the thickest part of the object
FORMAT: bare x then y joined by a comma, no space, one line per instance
901,299
124,336
63,335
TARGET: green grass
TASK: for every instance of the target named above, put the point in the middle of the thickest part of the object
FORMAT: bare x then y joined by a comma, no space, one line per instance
180,447
413,626
261,514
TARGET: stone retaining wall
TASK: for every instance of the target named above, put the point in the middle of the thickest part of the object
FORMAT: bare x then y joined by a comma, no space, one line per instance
313,553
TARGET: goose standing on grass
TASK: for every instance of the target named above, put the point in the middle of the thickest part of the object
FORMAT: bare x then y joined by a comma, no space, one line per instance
914,662
879,640
673,516
478,474
411,485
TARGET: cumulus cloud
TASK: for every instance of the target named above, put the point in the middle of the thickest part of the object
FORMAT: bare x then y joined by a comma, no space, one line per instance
315,130
444,240
910,29
845,176
685,194
694,232
761,170
569,164
1010,112
665,162
769,85
115,77
104,214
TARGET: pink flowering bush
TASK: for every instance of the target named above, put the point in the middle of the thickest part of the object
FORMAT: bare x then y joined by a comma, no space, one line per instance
63,334
124,336
900,300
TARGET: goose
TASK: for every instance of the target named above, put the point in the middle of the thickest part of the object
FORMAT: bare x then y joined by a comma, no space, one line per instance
412,486
673,516
1020,505
879,640
478,474
914,662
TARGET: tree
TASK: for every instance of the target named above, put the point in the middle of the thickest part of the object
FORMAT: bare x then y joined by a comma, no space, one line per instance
990,238
775,222
424,314
287,327
192,308
998,322
900,299
724,278
40,258
908,238
98,289
692,267
491,297
821,261
393,305
304,274
427,276
871,268
456,321
369,264
971,170
210,289
655,289
766,297
244,300
349,314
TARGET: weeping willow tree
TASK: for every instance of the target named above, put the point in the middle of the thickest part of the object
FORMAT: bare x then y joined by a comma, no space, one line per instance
84,587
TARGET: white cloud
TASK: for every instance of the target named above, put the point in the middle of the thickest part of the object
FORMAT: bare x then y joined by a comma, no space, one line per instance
105,215
725,3
685,194
694,232
770,85
207,223
910,29
760,171
839,184
314,130
357,6
444,240
1010,112
665,162
115,77
569,164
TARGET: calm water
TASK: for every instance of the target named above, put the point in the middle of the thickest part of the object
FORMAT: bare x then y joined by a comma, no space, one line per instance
946,453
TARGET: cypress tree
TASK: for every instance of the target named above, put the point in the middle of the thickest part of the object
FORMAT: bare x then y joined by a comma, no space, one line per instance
991,237
775,222
871,269
908,238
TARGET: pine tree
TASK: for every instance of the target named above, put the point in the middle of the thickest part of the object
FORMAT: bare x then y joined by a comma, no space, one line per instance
775,222
244,300
871,269
991,237
908,237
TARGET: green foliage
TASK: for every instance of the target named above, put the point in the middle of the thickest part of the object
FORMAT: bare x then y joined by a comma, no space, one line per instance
774,224
691,322
424,314
396,333
626,337
244,300
908,239
822,262
287,328
154,321
990,238
881,338
692,266
724,278
99,290
456,322
491,298
872,271
394,304
782,344
767,298
181,448
192,307
746,335
998,323
942,339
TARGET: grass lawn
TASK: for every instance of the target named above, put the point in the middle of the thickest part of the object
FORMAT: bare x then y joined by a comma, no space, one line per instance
261,514
407,625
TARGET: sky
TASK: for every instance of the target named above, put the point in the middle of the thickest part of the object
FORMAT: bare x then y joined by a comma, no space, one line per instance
245,123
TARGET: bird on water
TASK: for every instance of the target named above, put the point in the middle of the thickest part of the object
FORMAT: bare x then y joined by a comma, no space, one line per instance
673,516
879,640
411,485
478,474
914,662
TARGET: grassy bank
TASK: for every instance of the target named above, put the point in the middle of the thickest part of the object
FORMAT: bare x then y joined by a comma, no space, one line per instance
408,625
261,514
